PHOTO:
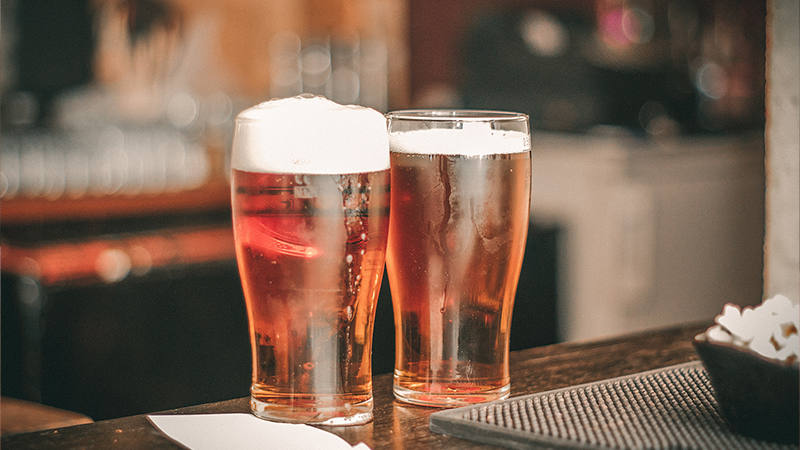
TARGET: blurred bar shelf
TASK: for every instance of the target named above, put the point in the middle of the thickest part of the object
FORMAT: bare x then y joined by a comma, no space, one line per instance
20,210
111,258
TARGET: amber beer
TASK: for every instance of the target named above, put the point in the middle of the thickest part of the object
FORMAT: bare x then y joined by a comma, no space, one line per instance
460,205
311,250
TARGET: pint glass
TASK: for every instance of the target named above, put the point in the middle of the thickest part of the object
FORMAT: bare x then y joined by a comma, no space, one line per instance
310,198
460,204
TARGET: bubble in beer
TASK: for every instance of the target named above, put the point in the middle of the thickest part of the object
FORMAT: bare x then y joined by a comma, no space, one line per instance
471,139
310,135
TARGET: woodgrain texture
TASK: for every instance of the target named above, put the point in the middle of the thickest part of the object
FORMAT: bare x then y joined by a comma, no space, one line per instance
399,426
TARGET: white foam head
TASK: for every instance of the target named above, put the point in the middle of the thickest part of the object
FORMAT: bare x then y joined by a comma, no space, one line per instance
310,135
474,139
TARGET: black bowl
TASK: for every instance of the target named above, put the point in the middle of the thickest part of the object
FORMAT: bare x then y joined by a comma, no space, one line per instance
758,397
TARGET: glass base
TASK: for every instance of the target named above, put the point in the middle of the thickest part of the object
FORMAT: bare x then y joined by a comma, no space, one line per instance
355,414
450,399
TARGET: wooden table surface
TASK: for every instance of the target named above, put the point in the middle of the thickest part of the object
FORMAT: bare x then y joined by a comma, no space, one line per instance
400,426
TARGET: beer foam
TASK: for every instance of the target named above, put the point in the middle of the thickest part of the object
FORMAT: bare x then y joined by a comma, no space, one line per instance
310,135
475,139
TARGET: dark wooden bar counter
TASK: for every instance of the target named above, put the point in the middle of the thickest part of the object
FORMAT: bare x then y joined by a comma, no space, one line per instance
399,426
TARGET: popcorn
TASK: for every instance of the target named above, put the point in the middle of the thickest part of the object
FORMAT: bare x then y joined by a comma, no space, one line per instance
770,329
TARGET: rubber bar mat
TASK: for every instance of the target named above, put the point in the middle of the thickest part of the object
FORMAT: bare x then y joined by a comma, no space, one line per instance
668,408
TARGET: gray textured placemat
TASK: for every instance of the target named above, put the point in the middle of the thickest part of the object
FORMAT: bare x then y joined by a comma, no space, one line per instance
666,408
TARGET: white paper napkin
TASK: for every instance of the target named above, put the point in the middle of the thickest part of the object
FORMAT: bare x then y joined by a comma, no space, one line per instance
245,431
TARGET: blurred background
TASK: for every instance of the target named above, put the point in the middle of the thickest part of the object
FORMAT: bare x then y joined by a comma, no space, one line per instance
120,293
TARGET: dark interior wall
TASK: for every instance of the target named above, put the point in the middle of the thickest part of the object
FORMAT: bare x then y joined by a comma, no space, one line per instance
175,338
178,336
438,28
54,49
474,54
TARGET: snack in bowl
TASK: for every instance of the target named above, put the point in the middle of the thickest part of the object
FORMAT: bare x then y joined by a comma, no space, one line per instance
751,356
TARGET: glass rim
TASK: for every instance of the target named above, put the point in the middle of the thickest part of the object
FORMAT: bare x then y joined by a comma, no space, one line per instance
456,115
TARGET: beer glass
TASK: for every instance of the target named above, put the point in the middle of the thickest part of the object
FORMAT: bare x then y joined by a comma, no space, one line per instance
460,204
310,199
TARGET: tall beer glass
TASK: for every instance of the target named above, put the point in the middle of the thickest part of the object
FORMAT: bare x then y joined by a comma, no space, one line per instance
460,204
310,194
